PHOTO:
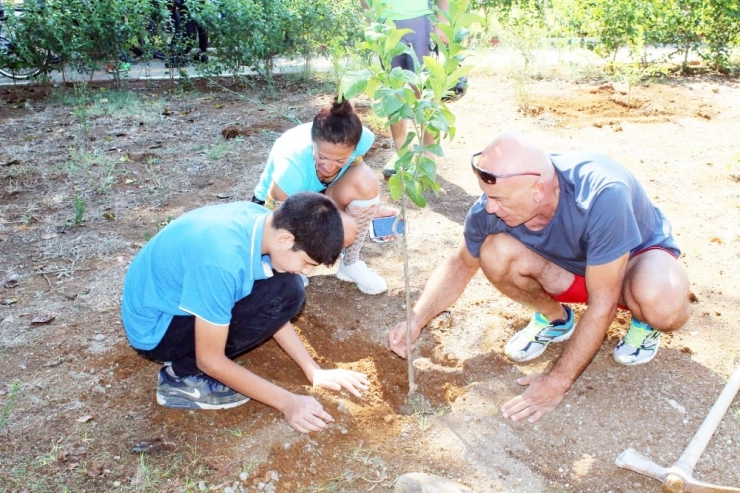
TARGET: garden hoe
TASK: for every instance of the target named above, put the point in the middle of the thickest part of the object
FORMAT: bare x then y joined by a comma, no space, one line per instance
677,478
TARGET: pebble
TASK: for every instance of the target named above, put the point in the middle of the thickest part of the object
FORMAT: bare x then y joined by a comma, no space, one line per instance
274,476
416,482
678,407
116,483
243,476
286,446
202,486
228,489
99,337
99,389
342,408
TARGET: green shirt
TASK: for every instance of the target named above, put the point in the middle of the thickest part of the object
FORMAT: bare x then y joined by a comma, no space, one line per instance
401,10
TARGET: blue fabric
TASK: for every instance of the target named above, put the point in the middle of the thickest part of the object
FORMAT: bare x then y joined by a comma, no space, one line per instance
291,165
200,264
603,212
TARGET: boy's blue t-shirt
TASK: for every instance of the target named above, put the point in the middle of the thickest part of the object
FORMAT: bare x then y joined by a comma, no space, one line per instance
291,164
603,212
200,264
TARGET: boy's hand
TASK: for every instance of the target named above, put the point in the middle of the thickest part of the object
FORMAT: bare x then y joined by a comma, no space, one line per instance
305,414
335,379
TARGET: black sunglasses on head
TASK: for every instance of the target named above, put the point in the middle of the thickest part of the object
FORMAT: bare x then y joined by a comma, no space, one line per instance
488,177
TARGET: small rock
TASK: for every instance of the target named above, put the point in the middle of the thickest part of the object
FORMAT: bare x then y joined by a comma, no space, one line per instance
678,407
99,389
261,486
99,337
342,407
228,489
343,431
243,476
116,483
202,486
274,476
417,482
286,446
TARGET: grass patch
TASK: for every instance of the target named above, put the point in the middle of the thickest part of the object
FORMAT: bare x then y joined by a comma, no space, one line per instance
117,103
14,392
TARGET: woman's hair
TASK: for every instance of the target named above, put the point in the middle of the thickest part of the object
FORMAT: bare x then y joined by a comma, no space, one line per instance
337,124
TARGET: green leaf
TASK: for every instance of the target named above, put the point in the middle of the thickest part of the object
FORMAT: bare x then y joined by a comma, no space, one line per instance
414,191
435,67
404,148
395,186
435,149
394,38
354,83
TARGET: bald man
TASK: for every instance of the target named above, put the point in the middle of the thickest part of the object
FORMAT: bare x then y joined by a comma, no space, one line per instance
563,228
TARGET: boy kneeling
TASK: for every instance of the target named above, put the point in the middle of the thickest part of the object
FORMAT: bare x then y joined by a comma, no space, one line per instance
219,281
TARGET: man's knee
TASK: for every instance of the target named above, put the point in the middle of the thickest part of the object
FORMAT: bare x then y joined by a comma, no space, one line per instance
499,253
659,286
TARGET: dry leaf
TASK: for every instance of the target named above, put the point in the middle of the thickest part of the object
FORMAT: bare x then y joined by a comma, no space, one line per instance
11,283
84,419
42,318
94,470
47,236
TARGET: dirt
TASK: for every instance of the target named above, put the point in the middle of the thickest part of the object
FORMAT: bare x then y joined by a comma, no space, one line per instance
86,400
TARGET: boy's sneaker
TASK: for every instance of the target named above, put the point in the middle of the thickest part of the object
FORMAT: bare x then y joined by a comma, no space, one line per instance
390,167
359,273
639,345
533,339
195,392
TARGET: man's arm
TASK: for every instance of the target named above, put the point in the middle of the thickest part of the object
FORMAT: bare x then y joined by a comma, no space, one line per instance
443,6
446,285
302,412
545,391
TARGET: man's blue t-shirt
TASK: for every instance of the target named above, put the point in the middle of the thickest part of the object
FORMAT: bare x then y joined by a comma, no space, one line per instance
291,164
200,264
603,212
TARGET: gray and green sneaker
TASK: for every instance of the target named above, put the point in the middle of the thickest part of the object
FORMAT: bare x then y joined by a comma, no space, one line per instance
533,339
197,391
639,345
389,169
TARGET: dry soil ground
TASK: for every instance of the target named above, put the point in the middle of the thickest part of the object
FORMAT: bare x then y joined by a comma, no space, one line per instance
77,404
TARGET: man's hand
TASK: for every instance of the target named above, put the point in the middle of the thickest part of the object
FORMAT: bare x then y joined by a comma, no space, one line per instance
543,394
397,338
305,414
352,381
